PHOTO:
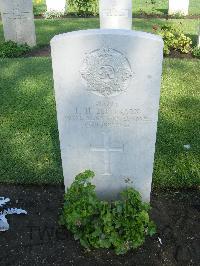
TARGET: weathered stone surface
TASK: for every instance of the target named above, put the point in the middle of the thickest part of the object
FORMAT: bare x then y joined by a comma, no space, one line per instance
18,21
115,14
107,88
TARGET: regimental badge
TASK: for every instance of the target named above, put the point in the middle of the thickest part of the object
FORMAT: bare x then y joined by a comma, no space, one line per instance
106,72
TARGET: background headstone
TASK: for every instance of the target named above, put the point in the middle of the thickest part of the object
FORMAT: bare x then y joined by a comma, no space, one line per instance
178,7
198,41
18,21
107,88
115,14
56,6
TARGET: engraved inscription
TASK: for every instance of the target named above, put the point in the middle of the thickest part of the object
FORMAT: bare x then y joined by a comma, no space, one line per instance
106,72
106,150
16,13
107,115
114,12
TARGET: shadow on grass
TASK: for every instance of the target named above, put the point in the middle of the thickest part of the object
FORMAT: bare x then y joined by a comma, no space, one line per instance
29,144
179,125
28,137
58,26
147,24
194,38
176,166
162,10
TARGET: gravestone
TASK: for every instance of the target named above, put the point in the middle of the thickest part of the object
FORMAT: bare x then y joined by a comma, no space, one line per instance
115,14
18,21
198,41
178,7
56,6
107,89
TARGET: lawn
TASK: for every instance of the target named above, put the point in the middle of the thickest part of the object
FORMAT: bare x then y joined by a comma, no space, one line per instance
161,7
29,146
139,7
46,29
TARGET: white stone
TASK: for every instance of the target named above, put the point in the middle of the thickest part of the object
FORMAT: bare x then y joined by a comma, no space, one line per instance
18,21
107,89
115,14
178,7
56,5
198,41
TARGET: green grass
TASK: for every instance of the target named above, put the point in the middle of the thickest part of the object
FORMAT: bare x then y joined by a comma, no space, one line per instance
139,6
179,125
47,29
161,7
29,146
28,136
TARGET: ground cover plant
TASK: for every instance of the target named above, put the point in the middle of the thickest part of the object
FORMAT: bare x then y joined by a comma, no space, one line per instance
39,7
11,49
29,146
83,7
122,224
52,14
42,242
174,39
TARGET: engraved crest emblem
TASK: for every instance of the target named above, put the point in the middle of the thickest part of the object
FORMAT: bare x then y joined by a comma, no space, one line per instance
106,72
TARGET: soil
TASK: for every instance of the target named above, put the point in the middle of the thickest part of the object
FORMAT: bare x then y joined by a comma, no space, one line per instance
177,54
40,52
36,238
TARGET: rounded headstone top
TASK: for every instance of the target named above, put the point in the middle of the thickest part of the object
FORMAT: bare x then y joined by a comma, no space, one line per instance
121,32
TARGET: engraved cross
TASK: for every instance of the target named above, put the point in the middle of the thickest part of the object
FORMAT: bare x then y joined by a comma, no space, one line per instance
107,150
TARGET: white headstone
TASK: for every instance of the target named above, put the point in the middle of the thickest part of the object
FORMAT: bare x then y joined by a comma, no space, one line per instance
178,7
18,21
115,14
107,88
56,6
198,41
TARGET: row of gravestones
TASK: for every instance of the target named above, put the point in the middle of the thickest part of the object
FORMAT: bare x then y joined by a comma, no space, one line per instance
107,90
18,19
175,6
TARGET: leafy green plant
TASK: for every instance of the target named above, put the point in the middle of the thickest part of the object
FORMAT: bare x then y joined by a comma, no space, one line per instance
174,39
153,2
11,49
196,52
177,15
52,14
39,7
121,224
84,7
